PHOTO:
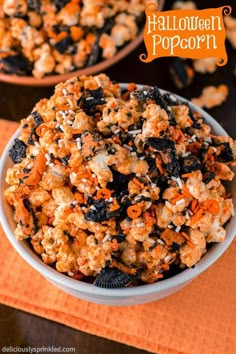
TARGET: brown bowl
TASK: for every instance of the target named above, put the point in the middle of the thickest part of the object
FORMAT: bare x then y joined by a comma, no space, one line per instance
52,80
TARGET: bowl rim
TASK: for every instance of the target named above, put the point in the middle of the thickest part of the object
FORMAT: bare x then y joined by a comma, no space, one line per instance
51,80
65,281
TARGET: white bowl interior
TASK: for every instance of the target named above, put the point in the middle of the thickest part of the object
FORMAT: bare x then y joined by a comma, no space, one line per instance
124,296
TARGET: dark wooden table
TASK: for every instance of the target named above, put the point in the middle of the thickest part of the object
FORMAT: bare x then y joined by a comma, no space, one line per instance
18,328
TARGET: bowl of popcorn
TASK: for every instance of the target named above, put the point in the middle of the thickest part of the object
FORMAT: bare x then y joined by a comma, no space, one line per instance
44,43
118,194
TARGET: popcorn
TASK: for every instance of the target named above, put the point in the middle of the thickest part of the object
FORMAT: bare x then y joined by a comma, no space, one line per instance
204,66
211,96
184,5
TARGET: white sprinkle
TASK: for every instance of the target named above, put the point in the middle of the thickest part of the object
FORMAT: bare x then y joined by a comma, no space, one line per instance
98,81
93,175
140,224
51,164
97,188
148,178
178,228
180,201
161,242
47,163
193,137
61,126
170,226
110,199
179,182
92,207
78,141
30,165
168,204
173,98
153,185
106,238
190,212
75,202
84,208
142,158
133,153
169,108
63,114
167,258
89,98
208,139
148,205
214,149
73,175
84,180
71,111
44,173
128,147
138,175
151,241
137,131
116,131
65,92
69,122
47,157
185,154
187,215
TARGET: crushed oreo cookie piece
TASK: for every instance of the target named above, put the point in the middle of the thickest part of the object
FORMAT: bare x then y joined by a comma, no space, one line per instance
99,211
18,151
37,118
91,99
35,5
161,144
167,148
113,278
63,44
33,136
226,153
16,64
143,95
189,164
95,53
119,183
171,99
159,99
208,176
60,3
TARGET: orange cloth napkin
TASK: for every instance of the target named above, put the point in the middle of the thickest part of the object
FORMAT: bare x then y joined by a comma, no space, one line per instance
199,319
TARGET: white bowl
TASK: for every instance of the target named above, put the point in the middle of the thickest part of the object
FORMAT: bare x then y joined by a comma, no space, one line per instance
116,297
